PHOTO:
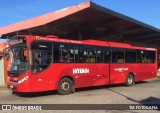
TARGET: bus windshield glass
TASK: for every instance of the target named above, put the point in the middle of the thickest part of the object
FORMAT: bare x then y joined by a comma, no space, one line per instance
18,58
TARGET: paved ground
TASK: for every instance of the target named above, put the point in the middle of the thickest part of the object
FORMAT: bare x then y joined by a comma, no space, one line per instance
146,92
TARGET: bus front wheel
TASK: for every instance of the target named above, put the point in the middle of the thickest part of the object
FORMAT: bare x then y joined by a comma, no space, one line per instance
129,80
65,86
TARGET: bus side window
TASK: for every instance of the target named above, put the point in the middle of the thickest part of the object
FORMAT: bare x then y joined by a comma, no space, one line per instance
130,56
107,57
141,56
100,56
92,56
103,55
118,55
66,53
151,56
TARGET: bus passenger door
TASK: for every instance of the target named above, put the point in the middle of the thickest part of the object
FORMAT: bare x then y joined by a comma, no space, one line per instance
117,73
41,61
96,60
101,74
102,67
117,67
91,75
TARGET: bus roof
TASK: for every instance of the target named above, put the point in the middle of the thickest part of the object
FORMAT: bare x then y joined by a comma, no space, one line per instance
114,44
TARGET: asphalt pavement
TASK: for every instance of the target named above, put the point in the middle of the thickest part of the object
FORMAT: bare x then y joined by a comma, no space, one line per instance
145,92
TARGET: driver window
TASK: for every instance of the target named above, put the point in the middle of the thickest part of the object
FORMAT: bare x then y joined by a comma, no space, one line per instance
41,56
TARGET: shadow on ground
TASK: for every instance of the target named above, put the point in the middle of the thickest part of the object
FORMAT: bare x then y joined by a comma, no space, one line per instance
46,93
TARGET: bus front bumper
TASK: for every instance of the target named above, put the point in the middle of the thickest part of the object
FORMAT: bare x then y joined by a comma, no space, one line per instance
12,87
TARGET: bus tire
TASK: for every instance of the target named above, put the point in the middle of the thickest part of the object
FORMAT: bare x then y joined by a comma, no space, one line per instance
65,86
129,80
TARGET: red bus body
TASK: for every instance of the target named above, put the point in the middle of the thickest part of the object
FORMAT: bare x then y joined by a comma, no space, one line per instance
99,73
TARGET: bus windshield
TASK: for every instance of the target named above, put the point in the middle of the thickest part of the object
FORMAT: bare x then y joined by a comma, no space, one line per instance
18,58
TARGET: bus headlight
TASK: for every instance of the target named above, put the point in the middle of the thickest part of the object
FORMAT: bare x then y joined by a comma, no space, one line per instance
23,79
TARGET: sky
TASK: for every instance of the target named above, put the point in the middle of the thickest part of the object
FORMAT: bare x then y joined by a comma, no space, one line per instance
12,11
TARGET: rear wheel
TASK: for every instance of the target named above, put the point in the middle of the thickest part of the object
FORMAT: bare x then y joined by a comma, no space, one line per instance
65,86
130,80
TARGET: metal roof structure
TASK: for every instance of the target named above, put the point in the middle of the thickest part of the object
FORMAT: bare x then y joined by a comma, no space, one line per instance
87,21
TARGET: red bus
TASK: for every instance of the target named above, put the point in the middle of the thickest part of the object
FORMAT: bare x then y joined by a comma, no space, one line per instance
50,63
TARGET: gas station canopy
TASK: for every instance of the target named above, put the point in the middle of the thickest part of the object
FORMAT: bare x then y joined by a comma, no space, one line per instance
87,21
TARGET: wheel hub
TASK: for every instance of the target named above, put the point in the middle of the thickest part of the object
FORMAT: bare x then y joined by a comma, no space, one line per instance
130,80
65,86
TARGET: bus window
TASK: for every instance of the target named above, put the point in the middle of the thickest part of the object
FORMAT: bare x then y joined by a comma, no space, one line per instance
117,55
151,56
92,55
130,56
41,56
66,53
87,54
103,55
141,56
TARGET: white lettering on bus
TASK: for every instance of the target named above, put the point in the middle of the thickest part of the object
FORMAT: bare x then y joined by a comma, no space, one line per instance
121,69
80,70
